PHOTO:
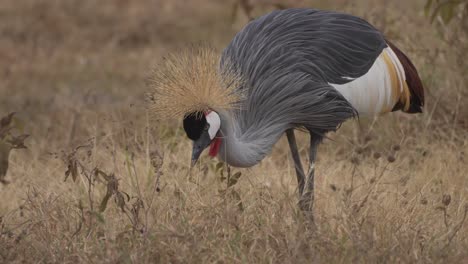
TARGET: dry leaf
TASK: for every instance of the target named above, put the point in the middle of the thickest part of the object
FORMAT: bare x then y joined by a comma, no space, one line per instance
120,200
5,125
5,149
103,205
5,121
112,190
17,142
234,178
72,169
7,143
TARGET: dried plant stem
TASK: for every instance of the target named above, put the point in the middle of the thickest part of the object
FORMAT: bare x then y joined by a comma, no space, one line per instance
371,189
457,228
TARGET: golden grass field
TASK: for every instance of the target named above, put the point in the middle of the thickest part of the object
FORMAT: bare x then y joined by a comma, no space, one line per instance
75,72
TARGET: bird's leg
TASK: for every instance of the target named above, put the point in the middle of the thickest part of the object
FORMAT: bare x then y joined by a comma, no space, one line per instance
306,202
297,160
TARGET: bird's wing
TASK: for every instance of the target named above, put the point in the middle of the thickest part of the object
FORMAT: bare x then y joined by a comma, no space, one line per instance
331,48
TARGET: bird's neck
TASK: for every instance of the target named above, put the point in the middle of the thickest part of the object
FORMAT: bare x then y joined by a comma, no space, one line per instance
245,148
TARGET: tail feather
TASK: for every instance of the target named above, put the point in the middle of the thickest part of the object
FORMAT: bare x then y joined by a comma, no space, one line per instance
412,80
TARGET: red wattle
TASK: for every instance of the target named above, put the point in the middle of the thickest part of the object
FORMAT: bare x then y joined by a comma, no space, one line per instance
214,147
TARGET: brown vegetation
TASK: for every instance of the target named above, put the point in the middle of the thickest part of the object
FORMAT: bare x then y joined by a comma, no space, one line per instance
102,182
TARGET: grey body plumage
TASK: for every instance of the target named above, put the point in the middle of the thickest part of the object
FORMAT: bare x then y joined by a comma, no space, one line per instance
295,68
287,60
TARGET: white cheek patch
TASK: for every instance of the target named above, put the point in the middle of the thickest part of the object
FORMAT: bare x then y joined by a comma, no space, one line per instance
215,123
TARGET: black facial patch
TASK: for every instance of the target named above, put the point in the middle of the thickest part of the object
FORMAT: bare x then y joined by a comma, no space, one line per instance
194,125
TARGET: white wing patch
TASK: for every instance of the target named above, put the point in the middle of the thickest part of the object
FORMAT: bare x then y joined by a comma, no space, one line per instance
379,89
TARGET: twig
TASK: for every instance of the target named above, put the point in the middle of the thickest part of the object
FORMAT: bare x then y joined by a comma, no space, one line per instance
458,227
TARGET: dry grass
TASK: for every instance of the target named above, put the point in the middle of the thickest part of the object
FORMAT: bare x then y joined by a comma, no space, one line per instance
393,191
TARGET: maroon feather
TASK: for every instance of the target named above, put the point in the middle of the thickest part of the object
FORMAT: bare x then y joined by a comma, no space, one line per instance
412,79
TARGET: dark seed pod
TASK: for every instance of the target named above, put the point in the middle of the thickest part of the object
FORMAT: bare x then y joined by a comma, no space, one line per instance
446,199
355,160
377,155
396,147
359,150
391,158
423,201
368,138
405,193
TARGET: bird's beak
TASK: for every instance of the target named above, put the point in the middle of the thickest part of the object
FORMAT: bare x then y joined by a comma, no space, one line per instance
199,145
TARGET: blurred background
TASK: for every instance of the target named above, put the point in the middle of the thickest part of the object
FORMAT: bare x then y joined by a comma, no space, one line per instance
61,56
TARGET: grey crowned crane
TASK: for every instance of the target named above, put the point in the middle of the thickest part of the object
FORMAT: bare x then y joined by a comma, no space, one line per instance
290,69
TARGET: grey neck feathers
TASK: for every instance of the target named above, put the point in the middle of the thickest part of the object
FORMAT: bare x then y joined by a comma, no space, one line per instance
245,148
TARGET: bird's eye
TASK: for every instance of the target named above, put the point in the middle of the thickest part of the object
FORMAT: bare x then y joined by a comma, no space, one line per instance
207,126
